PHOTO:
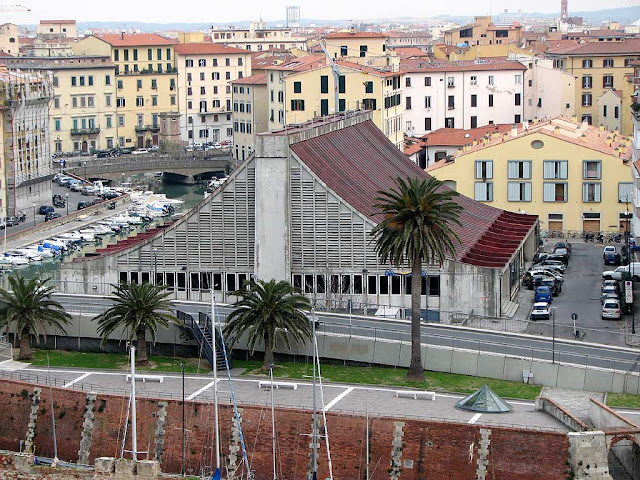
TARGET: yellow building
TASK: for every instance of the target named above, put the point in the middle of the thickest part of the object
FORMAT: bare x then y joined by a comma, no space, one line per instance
146,82
190,37
57,29
599,67
309,93
250,113
9,40
356,44
451,53
484,32
573,176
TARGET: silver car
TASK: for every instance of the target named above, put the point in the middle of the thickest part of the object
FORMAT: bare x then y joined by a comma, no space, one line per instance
611,309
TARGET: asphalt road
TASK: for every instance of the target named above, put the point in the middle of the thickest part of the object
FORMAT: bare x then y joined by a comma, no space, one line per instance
522,345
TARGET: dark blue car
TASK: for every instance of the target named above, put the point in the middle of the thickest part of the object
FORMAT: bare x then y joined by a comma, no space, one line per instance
543,294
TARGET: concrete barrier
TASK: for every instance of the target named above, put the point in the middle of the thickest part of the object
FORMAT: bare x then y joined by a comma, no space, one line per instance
464,362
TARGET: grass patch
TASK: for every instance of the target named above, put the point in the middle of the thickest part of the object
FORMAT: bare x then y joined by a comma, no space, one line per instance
116,361
623,400
435,381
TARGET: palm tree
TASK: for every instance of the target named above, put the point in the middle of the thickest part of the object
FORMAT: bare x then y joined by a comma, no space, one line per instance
417,227
138,308
266,310
28,306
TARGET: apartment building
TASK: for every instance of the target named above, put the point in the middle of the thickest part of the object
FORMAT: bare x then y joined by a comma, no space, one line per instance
600,67
57,29
421,40
82,115
483,31
9,40
250,113
205,71
26,169
548,92
355,44
572,175
635,149
146,82
310,93
463,95
258,37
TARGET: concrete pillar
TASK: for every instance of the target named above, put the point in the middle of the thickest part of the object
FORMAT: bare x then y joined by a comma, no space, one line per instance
105,465
125,468
161,420
396,451
484,452
147,469
87,430
588,455
272,208
33,416
23,462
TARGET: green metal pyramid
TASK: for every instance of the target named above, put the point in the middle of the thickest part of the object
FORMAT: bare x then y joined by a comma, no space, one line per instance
484,401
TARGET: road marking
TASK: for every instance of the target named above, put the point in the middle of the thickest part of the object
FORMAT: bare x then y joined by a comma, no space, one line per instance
198,392
81,377
337,399
475,418
628,412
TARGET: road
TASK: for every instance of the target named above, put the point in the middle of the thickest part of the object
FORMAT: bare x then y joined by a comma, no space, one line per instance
522,345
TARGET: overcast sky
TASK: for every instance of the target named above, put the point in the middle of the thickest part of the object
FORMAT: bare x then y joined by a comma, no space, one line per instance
196,11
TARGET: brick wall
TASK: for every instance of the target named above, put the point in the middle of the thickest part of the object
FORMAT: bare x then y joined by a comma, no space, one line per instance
438,450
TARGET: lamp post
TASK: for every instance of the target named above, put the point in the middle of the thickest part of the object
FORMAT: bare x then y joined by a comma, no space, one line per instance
627,234
553,335
34,214
67,204
122,180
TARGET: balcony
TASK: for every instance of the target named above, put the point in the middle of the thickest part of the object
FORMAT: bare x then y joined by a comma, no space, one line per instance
85,131
151,128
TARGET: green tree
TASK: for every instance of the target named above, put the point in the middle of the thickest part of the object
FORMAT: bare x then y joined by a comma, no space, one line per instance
266,311
28,306
417,227
138,309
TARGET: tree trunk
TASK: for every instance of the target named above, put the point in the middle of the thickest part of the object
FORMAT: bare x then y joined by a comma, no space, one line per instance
141,344
416,372
268,354
25,345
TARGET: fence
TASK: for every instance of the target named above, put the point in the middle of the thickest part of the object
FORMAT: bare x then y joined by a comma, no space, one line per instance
608,235
6,350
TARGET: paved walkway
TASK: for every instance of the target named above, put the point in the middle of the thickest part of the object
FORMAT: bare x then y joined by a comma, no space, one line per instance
575,401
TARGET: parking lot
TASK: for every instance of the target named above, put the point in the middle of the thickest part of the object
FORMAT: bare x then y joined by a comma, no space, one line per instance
581,293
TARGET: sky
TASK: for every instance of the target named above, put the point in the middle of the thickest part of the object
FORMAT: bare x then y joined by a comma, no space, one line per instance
215,11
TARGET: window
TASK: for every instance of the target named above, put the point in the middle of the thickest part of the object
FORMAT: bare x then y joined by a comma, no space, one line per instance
555,169
188,63
427,102
554,192
121,123
342,105
587,81
73,81
107,79
297,105
474,80
625,192
172,100
57,124
449,122
483,192
407,103
484,169
491,100
427,123
519,169
518,79
139,101
407,82
591,192
592,169
474,100
203,106
341,84
116,55
491,80
604,110
607,81
587,118
109,121
369,104
427,81
451,104
517,100
154,84
587,63
203,90
450,82
368,87
297,87
56,102
90,103
607,63
474,121
519,191
586,100
240,61
120,85
159,53
120,102
344,51
363,51
55,81
616,112
168,54
138,84
154,100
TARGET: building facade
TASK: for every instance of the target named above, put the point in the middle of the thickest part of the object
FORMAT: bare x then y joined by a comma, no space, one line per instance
27,168
635,149
548,92
146,82
258,38
205,71
83,111
483,31
599,67
250,113
461,94
355,44
57,29
575,177
9,40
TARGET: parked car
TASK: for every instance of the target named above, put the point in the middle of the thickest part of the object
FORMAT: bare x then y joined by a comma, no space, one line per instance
562,251
64,181
553,284
155,148
44,209
555,265
633,268
140,151
611,309
540,311
51,215
97,201
110,195
609,249
547,271
82,205
610,283
88,190
540,257
543,294
559,257
12,221
76,187
565,244
608,292
612,258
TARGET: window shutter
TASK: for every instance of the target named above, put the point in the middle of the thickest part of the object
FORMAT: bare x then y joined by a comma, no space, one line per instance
596,193
527,192
481,191
513,191
548,169
599,169
549,192
513,169
526,170
585,192
478,169
563,169
489,169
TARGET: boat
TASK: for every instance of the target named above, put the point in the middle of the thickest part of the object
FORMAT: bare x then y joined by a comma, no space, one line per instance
73,236
43,252
30,254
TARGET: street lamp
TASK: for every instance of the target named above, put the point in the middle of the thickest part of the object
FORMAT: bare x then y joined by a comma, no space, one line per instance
34,214
85,169
627,234
553,335
122,180
67,204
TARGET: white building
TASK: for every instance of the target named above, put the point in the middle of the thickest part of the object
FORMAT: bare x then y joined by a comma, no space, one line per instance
462,94
205,71
258,38
635,152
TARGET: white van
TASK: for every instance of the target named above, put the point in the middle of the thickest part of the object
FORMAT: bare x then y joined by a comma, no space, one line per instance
633,268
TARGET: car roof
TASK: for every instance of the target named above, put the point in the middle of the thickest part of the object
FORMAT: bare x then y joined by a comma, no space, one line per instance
609,287
543,288
612,300
541,305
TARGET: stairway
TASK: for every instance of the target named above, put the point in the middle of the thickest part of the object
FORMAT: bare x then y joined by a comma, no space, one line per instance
509,308
201,331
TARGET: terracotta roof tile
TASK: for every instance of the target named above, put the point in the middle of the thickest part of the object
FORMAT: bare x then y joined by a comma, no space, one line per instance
134,39
630,46
421,65
300,64
208,49
63,22
457,137
358,161
406,52
356,35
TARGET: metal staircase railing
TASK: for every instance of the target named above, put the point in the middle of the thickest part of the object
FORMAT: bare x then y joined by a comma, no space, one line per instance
202,333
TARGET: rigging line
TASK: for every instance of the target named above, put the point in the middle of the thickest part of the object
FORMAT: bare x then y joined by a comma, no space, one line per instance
257,432
324,413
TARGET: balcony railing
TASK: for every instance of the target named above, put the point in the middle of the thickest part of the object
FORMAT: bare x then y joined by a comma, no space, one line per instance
85,131
151,128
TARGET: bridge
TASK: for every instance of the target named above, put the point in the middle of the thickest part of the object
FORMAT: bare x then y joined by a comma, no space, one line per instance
186,169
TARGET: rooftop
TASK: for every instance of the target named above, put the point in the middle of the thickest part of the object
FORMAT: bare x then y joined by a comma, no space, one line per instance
135,39
208,49
59,63
356,35
301,64
407,52
456,137
629,46
63,22
421,65
258,79
358,161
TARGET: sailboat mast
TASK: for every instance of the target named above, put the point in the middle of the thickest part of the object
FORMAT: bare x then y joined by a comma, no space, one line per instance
53,417
134,433
215,379
273,426
314,437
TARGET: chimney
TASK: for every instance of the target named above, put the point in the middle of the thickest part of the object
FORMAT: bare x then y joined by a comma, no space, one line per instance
585,125
514,130
602,126
574,118
122,35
